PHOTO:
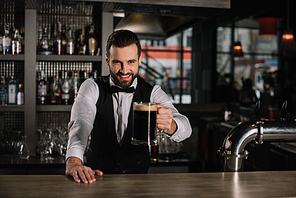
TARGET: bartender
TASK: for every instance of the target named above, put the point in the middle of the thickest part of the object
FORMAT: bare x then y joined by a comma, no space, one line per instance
102,110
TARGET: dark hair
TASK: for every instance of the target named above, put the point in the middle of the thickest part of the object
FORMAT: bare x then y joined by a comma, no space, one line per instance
122,38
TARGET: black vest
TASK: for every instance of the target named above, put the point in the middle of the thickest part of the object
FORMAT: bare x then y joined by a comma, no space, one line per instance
105,153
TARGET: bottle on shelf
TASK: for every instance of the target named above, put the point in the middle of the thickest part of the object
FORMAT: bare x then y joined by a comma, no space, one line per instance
82,44
2,91
22,39
42,89
12,90
1,38
58,41
64,39
75,85
44,47
54,93
65,88
92,42
6,40
95,74
20,95
70,41
83,77
77,41
16,47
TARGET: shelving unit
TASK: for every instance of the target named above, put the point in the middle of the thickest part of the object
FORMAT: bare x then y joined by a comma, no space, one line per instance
30,110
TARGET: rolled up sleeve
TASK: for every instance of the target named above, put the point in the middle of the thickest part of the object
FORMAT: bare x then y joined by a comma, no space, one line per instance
184,129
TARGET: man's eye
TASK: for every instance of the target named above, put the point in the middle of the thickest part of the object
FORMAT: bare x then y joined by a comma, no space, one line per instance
131,62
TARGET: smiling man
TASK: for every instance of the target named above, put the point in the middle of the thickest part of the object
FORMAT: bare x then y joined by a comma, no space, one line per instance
102,110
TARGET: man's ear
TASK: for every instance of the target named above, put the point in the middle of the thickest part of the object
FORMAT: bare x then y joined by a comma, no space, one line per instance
107,60
140,60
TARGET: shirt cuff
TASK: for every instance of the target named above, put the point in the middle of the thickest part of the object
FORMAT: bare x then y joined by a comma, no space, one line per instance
75,152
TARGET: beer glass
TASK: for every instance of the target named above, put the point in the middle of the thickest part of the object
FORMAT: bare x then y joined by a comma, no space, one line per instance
144,123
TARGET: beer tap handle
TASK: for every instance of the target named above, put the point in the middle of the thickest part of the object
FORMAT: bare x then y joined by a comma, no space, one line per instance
284,111
257,109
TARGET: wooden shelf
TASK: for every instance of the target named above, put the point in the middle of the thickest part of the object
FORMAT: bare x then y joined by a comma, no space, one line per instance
12,108
81,58
53,108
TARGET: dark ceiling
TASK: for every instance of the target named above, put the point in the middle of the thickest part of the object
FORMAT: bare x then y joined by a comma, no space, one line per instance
211,17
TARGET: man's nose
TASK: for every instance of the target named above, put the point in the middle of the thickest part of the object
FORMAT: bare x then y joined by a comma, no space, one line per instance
124,68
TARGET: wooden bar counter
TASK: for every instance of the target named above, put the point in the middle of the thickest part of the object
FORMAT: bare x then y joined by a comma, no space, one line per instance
229,184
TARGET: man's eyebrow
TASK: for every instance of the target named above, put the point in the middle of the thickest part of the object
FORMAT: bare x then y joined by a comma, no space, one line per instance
115,61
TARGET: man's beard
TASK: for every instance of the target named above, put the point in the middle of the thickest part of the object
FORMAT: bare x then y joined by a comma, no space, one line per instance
120,82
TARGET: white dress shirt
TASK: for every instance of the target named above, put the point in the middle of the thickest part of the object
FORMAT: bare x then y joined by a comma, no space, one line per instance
84,111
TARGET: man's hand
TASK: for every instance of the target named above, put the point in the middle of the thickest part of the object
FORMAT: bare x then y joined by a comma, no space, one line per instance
164,120
75,169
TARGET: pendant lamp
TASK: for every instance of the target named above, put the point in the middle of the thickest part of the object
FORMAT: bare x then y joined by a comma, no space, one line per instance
268,26
288,42
237,48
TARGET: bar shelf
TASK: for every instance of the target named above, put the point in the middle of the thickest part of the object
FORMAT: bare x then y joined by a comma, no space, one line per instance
54,108
82,58
10,57
12,108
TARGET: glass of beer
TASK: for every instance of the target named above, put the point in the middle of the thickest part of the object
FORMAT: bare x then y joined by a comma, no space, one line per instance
144,123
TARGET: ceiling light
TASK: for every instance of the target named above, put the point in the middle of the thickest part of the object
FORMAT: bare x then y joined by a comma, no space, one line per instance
268,26
237,49
288,42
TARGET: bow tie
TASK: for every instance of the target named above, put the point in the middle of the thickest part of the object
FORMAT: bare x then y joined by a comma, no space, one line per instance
115,89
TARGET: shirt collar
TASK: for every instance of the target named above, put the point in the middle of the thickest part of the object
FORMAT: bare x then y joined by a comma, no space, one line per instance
134,84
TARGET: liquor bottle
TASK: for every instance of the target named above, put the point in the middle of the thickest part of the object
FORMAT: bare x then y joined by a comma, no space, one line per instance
22,39
1,39
54,95
6,41
83,77
2,91
70,41
95,74
16,43
44,48
65,89
64,40
12,89
42,90
75,84
77,41
82,45
20,95
92,42
58,45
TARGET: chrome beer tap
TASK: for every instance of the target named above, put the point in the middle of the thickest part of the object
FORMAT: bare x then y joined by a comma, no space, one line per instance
233,149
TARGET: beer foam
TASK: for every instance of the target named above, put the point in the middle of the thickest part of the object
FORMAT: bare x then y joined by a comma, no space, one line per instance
145,107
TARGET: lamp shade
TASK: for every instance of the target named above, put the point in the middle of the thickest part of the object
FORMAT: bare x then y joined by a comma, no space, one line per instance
268,26
288,42
237,49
